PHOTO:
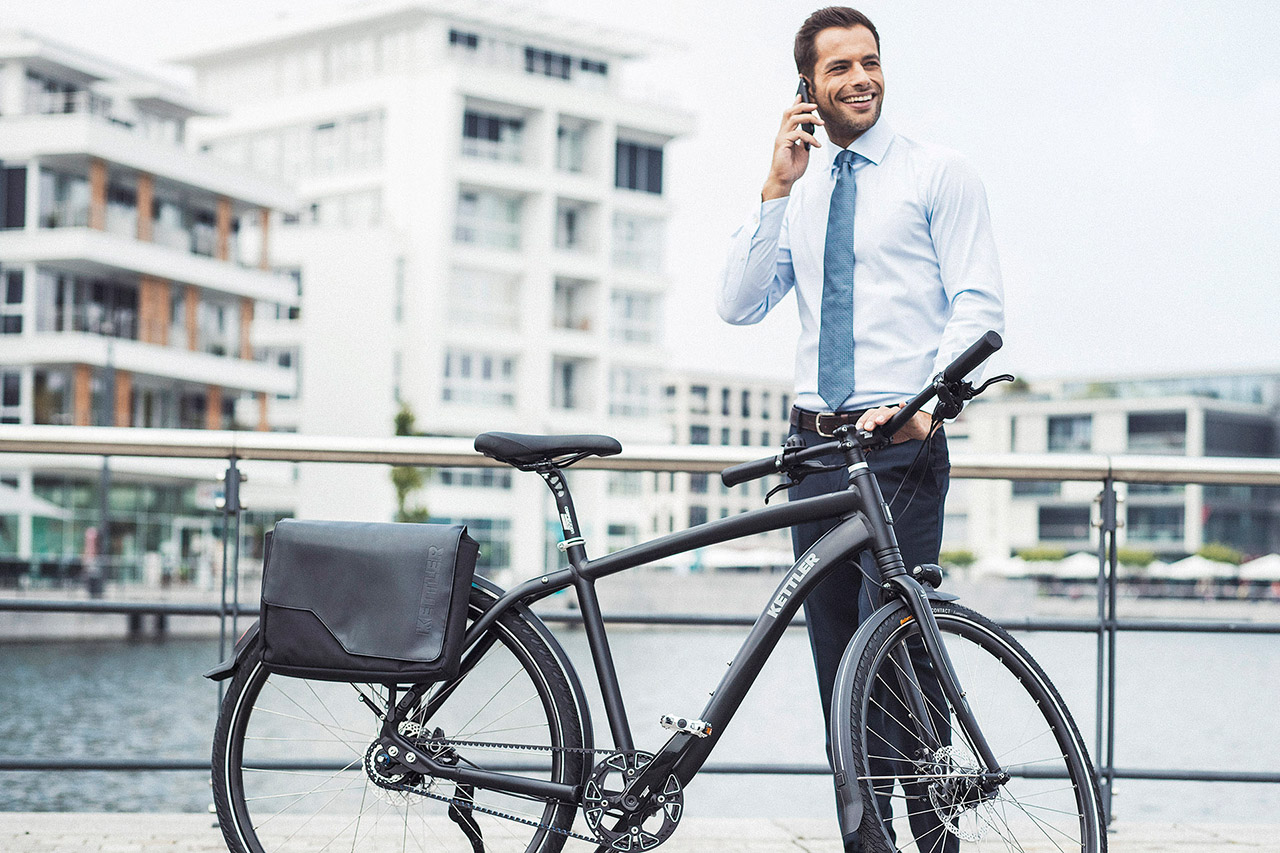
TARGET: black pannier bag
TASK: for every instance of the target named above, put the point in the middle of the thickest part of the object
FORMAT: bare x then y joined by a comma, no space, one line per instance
356,601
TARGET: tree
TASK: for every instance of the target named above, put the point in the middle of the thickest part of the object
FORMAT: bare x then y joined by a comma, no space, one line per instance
408,479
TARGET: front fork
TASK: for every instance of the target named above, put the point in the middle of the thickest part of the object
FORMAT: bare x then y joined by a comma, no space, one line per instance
897,582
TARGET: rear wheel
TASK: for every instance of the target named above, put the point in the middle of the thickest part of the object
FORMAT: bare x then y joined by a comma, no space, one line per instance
926,792
295,766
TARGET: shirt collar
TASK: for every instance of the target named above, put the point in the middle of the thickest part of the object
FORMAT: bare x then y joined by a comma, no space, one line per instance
872,144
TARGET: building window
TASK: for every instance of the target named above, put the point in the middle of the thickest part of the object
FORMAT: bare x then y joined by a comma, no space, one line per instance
68,303
10,397
571,304
621,536
698,483
1070,434
724,436
1158,432
484,298
631,392
764,405
697,399
625,483
637,242
547,63
1036,488
1238,435
699,435
476,378
569,383
218,326
468,41
474,478
13,197
1063,523
697,515
64,200
746,438
494,537
634,317
492,137
11,310
746,403
639,167
571,145
1155,523
725,396
488,219
52,397
573,224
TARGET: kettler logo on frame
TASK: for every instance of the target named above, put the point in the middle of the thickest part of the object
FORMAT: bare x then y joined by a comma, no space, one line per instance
789,586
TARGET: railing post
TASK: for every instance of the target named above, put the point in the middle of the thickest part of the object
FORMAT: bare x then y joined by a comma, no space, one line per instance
230,506
1104,744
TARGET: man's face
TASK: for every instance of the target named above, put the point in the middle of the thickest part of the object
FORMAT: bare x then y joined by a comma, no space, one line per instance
848,83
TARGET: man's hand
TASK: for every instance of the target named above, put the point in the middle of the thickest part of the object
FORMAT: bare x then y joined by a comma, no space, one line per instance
917,427
790,157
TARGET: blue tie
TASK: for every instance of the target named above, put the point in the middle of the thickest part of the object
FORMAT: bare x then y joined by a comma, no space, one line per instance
835,337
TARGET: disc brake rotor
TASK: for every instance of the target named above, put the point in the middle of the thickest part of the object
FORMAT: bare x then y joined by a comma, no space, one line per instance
955,792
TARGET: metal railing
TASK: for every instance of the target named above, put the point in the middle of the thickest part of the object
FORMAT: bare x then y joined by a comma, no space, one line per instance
239,447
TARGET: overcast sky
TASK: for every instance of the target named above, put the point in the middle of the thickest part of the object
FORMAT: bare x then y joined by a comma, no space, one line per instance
1128,149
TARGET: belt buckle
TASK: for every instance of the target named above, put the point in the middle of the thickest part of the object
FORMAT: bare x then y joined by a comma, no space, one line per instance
817,423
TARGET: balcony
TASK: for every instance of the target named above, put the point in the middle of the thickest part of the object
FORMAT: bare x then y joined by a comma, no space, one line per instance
93,252
56,348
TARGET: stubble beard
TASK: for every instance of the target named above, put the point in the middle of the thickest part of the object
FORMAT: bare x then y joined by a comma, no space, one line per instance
837,126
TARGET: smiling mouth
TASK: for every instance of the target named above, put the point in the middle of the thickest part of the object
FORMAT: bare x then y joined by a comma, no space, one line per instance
859,98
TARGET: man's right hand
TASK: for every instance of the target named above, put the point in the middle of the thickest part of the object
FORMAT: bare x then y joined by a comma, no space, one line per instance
790,157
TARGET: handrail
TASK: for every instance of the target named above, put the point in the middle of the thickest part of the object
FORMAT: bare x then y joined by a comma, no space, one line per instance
439,451
1106,469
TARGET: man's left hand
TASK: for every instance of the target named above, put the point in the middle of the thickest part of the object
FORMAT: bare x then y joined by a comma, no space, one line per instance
917,427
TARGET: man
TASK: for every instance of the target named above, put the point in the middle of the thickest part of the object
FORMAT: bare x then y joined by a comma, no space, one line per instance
887,243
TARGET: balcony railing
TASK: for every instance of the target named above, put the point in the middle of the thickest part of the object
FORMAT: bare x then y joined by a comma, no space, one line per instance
237,447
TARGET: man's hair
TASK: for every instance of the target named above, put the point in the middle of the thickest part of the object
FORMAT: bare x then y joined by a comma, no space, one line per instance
831,16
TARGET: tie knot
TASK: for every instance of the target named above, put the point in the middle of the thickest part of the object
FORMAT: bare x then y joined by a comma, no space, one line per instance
844,160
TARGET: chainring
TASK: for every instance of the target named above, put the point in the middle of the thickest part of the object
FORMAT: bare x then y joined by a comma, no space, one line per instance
642,828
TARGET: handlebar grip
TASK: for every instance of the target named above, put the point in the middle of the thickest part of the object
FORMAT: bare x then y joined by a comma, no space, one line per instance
735,474
979,352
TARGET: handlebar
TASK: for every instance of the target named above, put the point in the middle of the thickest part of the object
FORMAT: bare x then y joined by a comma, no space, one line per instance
952,375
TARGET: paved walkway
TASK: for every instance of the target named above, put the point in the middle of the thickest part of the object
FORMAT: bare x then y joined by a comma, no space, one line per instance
59,832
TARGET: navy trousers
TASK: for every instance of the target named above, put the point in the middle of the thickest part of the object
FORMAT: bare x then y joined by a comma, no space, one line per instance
845,597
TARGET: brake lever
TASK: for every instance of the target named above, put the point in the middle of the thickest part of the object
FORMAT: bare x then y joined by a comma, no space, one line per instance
1003,377
796,475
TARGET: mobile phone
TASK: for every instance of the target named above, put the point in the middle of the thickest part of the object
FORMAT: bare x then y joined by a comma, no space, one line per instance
803,91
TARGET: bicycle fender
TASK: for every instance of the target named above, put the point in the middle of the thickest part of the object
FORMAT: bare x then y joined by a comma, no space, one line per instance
848,797
227,668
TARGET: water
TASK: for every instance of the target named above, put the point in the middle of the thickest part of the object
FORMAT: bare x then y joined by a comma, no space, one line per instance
1184,701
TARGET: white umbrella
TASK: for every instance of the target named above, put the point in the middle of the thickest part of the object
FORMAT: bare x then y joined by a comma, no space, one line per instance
1195,568
14,502
1262,569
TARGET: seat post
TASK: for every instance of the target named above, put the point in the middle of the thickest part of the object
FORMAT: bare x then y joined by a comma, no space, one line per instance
573,545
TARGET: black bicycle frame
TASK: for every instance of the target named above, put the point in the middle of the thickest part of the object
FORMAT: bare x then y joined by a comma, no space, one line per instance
864,521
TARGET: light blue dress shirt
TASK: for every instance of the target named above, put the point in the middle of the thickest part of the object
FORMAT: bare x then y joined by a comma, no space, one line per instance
926,279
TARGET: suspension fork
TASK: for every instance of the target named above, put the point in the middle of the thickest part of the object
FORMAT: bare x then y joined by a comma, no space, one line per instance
897,582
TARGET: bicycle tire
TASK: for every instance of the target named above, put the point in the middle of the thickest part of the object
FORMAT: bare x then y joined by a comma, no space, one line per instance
518,694
931,803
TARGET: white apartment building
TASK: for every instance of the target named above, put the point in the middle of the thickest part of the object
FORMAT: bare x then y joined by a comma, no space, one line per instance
482,238
1226,414
727,411
136,276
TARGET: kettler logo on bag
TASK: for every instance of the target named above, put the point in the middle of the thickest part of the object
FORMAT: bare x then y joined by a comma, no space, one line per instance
789,586
430,585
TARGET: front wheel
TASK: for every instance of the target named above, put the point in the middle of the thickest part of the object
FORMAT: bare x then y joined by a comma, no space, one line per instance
296,766
921,781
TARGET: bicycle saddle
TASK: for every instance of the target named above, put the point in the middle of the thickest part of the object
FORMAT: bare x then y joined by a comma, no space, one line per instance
524,450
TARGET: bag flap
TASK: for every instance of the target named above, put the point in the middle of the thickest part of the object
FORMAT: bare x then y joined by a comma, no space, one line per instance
381,589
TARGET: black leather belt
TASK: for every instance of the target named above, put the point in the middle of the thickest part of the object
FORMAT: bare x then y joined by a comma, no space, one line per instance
824,423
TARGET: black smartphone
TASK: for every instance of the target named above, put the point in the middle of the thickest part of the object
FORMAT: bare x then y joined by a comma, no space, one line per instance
803,91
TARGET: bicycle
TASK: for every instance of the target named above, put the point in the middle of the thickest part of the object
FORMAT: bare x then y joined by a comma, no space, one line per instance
502,756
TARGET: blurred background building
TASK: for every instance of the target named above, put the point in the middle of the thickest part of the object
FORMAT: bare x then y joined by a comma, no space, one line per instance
135,274
480,240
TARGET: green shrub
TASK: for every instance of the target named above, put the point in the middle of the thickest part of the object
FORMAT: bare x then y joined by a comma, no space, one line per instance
1135,557
957,559
1221,553
1040,554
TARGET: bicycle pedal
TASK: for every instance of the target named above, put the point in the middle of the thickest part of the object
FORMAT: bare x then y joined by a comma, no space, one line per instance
697,728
